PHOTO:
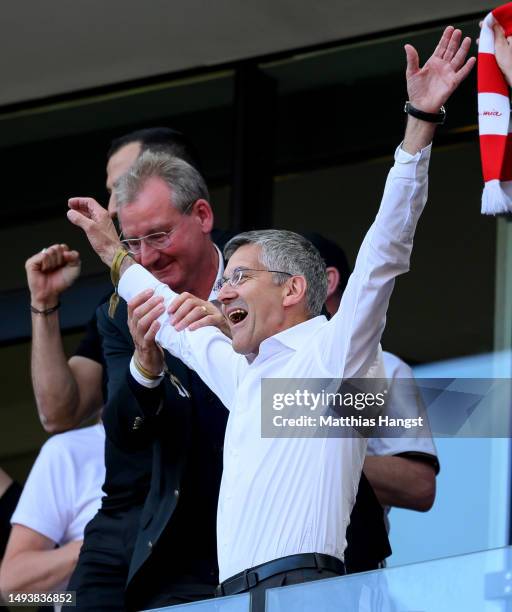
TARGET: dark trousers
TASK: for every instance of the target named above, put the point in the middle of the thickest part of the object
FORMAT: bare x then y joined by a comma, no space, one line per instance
100,576
176,591
101,573
294,577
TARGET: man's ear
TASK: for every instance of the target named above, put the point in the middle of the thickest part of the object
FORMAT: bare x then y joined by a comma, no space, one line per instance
333,280
203,212
294,291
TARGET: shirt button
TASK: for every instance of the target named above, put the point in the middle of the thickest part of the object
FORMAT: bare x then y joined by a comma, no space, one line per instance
150,544
176,493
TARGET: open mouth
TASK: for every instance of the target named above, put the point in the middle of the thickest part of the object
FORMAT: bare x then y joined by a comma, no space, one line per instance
237,316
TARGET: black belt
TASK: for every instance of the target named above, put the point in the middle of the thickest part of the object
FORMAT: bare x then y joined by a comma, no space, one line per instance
249,578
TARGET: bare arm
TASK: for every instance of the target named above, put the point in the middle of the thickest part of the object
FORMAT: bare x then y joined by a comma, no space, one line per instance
401,482
33,564
68,392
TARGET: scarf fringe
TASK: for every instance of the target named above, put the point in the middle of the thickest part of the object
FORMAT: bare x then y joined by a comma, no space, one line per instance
494,199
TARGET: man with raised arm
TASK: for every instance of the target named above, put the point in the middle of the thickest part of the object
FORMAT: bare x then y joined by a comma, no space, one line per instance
71,391
284,503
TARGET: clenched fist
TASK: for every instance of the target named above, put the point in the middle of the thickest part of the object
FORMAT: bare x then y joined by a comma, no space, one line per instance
50,273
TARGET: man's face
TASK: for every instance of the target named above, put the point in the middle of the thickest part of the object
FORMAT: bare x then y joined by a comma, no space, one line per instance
254,308
153,211
118,165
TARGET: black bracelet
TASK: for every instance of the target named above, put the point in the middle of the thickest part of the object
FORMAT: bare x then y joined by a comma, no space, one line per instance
438,118
46,312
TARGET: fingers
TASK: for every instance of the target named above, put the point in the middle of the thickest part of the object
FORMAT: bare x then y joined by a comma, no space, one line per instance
143,313
150,335
443,42
143,310
205,321
71,257
79,219
413,61
196,313
85,212
87,207
178,301
453,45
465,70
500,42
180,318
54,257
460,56
187,309
139,299
148,313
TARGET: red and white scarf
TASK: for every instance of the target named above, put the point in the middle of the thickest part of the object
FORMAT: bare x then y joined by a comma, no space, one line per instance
494,118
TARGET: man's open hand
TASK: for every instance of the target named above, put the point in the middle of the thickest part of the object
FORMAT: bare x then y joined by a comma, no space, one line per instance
431,86
98,226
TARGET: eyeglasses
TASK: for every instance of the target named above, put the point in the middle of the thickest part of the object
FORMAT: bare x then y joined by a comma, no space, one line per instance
157,240
240,275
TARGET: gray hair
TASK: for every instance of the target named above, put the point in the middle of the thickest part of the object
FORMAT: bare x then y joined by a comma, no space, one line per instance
292,253
184,181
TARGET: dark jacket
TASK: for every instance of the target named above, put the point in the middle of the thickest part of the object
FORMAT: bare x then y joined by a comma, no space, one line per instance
166,418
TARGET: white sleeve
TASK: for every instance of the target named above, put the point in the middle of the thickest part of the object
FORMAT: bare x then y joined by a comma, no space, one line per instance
350,341
207,351
46,503
404,401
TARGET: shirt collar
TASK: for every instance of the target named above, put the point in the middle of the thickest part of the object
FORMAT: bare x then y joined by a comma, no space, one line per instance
294,337
220,271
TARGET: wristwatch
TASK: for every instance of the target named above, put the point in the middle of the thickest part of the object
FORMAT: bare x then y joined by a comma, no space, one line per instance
438,118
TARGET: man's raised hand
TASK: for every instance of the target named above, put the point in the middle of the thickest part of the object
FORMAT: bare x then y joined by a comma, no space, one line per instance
49,273
430,87
98,226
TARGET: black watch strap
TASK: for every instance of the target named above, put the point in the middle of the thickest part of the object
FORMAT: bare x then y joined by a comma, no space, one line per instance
430,117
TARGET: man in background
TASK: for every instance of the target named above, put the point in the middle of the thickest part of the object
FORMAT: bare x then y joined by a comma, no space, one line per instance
72,391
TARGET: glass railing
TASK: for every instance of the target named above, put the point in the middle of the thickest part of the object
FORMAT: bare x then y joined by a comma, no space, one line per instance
476,582
235,603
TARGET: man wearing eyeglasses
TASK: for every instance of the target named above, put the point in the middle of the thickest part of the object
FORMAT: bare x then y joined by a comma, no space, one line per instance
285,502
167,228
70,392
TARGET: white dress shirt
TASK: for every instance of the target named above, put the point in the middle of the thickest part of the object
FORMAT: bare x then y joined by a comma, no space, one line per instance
283,496
151,383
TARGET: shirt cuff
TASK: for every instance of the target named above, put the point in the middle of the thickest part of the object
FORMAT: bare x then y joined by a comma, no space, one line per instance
406,164
149,383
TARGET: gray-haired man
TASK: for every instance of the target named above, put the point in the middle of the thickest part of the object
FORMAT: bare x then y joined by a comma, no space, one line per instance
284,503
